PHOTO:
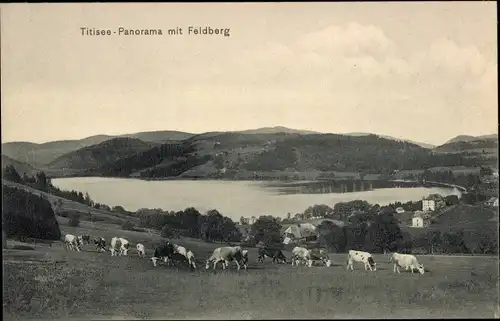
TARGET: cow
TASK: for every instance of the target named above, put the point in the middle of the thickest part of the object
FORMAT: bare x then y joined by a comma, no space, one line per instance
321,256
85,238
72,243
407,261
164,251
362,257
274,254
119,244
141,250
301,254
124,247
225,254
183,255
100,243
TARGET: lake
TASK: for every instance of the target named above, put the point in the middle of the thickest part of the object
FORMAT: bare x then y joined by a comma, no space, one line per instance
231,198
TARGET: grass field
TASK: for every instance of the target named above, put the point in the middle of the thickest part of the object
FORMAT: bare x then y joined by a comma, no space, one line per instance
49,282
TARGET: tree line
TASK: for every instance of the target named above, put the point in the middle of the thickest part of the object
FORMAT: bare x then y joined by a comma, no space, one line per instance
212,226
27,215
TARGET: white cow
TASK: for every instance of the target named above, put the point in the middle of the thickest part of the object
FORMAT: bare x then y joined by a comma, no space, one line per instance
301,254
72,243
141,250
407,261
362,257
124,247
120,245
225,254
185,253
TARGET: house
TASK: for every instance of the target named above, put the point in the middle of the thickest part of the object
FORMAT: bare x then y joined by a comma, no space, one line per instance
419,221
492,202
400,210
433,202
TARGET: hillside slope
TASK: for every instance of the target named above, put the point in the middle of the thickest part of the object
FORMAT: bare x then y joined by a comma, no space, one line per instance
21,168
74,207
160,136
39,155
469,146
276,130
424,145
97,155
468,138
209,154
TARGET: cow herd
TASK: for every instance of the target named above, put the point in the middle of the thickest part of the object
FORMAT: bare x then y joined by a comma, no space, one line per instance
171,253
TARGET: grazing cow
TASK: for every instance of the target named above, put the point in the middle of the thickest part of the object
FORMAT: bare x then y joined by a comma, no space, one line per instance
120,245
225,254
407,261
301,254
164,251
141,250
100,243
321,256
124,247
362,257
72,243
274,254
85,238
184,255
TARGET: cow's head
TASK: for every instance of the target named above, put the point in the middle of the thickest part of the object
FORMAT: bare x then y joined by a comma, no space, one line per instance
420,268
207,265
79,240
328,263
372,262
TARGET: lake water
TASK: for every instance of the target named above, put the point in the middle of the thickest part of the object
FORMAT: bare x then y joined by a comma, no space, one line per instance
231,198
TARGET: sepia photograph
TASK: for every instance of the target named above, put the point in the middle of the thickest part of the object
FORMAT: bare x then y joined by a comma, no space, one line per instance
237,161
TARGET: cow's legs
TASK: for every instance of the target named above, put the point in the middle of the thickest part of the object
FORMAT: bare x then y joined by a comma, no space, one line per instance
411,267
237,263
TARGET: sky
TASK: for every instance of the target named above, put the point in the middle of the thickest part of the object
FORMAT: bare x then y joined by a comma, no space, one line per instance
420,71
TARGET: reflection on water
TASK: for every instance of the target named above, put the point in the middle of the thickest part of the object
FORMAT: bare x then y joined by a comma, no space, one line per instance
231,198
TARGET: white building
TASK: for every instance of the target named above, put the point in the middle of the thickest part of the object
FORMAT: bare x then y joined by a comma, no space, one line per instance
400,210
418,221
428,205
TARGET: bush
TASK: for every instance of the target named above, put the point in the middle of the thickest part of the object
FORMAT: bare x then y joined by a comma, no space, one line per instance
127,225
74,220
167,232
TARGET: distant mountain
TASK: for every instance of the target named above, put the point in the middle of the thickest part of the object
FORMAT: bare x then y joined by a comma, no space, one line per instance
100,154
276,130
485,145
160,136
20,167
467,138
39,155
424,145
234,155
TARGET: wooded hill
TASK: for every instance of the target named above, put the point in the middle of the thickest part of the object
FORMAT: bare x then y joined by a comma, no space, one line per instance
233,155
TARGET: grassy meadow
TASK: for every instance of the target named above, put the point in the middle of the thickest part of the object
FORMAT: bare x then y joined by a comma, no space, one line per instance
46,282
